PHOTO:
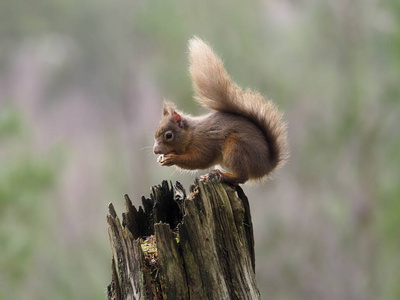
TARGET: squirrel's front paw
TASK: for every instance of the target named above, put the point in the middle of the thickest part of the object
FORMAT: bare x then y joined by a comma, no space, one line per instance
167,159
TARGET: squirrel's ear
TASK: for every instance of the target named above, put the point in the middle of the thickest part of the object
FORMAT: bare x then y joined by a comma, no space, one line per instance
178,119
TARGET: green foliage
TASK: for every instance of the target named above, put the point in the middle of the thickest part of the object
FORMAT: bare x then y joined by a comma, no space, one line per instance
9,123
24,180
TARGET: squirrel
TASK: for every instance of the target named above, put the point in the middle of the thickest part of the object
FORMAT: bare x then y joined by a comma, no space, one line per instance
245,133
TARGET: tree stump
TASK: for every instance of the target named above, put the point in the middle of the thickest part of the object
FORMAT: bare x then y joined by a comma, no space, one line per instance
177,247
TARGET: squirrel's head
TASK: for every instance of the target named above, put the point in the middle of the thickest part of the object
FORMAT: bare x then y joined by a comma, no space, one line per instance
171,133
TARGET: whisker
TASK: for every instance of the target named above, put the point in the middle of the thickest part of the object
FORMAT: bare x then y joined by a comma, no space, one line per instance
173,173
146,147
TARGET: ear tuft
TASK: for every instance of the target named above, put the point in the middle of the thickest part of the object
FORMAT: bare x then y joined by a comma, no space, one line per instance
168,108
165,108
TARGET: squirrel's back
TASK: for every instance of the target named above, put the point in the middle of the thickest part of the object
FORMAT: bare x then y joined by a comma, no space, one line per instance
215,90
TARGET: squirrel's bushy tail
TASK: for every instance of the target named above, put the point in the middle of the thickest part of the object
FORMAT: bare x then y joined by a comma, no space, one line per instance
215,90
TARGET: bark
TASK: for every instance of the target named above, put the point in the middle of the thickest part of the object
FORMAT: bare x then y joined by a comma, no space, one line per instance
177,247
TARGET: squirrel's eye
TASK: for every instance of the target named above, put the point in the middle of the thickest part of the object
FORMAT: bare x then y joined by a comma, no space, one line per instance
168,135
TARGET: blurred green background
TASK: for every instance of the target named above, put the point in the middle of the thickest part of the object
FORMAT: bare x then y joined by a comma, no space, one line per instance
81,85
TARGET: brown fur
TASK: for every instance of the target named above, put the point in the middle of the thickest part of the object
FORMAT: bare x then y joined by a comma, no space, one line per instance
245,134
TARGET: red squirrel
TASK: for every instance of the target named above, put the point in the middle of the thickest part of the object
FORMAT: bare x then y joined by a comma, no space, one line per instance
245,133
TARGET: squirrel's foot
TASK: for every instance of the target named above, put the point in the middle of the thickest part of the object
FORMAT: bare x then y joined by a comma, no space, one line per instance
224,177
214,173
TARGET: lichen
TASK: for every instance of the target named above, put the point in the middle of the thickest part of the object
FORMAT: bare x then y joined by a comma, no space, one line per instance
149,247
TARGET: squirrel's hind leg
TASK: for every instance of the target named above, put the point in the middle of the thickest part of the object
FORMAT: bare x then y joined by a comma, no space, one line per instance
234,159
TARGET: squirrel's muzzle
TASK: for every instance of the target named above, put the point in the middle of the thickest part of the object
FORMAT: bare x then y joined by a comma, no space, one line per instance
160,148
157,148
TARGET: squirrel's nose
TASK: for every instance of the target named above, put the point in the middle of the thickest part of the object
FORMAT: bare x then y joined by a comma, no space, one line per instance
157,148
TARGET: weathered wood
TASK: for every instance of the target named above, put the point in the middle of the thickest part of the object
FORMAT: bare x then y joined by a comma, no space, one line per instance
204,245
